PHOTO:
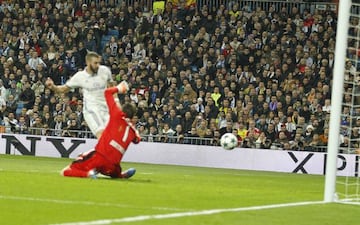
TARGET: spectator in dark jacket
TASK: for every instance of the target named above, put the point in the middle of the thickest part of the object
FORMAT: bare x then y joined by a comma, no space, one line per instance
27,96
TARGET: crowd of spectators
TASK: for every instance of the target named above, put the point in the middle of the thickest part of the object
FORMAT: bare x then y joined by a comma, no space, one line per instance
261,74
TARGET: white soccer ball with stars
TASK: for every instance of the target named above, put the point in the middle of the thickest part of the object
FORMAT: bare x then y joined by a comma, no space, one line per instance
228,141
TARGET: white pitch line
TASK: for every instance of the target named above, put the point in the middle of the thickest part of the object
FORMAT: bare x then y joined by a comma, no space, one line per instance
348,202
186,214
29,171
59,201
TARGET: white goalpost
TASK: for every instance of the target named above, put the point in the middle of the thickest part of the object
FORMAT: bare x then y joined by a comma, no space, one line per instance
344,188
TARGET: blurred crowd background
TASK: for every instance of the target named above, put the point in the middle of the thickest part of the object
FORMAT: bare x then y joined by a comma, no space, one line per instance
197,71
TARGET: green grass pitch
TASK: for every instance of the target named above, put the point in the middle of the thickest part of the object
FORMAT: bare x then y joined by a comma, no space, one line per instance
33,192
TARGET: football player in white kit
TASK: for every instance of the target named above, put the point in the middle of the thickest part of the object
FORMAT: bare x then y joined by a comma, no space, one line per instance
93,80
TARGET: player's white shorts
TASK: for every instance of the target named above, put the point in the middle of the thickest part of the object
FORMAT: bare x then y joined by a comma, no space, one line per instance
96,118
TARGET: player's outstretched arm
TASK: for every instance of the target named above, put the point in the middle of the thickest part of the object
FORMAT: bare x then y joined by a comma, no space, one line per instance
56,88
121,88
137,137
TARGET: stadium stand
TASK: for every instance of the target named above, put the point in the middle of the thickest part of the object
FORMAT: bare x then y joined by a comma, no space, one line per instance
259,69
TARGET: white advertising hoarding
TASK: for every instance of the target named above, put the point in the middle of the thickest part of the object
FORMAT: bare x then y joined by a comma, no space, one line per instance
181,154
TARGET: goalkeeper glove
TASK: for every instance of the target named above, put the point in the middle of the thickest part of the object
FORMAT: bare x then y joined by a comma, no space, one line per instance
123,87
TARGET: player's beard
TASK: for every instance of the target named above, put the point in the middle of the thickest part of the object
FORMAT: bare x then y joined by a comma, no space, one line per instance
94,69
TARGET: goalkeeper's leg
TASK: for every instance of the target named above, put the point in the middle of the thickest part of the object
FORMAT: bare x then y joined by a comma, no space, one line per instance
74,172
115,171
84,166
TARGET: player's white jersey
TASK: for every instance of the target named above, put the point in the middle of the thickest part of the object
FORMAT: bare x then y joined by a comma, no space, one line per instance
93,86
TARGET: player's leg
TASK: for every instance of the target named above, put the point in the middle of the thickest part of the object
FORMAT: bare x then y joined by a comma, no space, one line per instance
84,166
96,120
115,171
85,155
128,173
70,171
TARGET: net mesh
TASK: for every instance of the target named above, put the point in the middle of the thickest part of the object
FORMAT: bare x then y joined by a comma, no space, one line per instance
348,184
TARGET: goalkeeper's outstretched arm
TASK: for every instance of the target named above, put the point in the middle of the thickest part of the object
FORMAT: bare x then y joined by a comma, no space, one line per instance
112,101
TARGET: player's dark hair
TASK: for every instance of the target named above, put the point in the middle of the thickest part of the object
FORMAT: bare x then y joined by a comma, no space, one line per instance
129,110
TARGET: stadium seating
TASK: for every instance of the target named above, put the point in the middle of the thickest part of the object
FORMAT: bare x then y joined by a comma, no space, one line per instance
256,53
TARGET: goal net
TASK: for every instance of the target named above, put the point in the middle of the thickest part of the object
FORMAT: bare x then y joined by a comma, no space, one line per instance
344,142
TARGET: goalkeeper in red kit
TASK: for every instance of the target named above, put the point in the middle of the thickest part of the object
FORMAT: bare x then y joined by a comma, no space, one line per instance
112,145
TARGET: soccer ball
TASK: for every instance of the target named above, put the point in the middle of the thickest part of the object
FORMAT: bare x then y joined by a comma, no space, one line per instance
228,141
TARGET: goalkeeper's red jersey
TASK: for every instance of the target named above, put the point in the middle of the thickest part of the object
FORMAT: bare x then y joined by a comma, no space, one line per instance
119,132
